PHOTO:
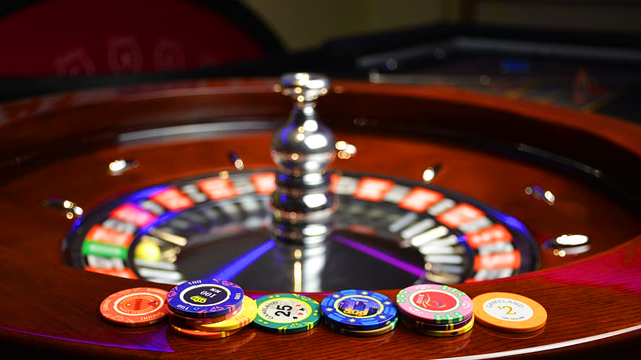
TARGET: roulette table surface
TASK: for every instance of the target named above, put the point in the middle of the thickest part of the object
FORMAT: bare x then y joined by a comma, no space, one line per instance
489,151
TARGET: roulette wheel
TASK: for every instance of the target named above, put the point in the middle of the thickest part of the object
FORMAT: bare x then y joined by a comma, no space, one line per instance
109,189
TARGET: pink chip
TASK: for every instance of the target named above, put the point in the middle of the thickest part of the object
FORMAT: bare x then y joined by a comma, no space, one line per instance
437,304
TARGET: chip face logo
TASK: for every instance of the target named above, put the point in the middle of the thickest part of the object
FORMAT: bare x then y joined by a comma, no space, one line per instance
138,303
359,306
285,310
198,299
435,301
358,310
206,294
508,309
355,312
287,313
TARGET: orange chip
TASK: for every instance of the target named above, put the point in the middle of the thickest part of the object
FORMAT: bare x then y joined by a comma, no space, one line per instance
135,307
509,312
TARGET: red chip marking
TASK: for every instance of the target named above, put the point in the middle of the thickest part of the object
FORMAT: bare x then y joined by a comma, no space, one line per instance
373,189
173,199
420,199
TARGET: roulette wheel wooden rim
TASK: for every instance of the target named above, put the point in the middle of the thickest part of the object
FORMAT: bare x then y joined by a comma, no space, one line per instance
571,328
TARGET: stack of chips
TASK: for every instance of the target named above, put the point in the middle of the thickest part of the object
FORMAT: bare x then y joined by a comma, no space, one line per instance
287,313
435,310
359,313
209,309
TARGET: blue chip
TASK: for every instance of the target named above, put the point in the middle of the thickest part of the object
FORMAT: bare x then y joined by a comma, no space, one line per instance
358,309
205,298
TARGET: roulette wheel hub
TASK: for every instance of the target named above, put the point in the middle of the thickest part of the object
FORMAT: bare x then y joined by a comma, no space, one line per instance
302,227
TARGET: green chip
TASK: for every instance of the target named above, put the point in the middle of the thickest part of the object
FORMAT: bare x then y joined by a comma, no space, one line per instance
287,313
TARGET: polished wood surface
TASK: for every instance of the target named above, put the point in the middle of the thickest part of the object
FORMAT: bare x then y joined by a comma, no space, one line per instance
61,145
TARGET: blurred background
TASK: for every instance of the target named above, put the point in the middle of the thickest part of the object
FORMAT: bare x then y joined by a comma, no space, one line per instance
302,24
584,54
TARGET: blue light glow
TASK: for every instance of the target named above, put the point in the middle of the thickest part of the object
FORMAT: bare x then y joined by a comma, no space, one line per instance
145,194
286,130
162,219
511,221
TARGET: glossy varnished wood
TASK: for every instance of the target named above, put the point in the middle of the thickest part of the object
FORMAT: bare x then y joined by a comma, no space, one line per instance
63,151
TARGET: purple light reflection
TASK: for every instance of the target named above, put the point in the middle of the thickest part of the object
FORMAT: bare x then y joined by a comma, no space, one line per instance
615,271
159,339
409,268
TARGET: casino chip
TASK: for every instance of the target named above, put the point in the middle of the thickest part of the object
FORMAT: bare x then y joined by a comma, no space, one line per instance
438,333
206,298
287,313
135,307
209,309
182,321
435,310
434,304
358,310
509,312
413,323
245,317
362,333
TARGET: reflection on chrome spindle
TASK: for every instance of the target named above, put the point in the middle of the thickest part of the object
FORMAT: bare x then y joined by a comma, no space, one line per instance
306,263
302,149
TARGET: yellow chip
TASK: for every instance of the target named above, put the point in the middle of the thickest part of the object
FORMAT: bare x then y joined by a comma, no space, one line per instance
509,312
246,315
